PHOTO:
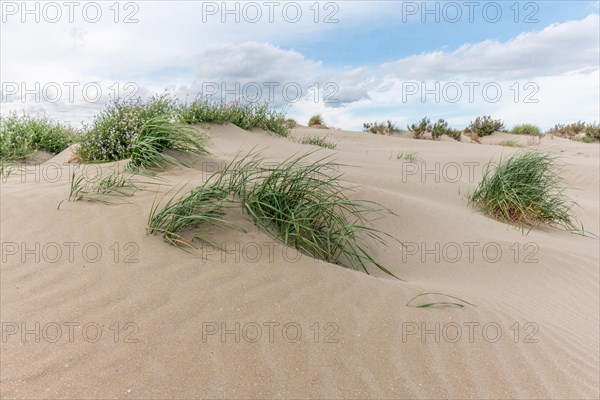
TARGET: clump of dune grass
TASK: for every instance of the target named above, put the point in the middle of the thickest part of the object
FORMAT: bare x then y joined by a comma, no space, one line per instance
104,190
22,135
526,129
290,123
526,190
319,141
203,205
243,115
159,134
410,156
510,143
301,203
316,119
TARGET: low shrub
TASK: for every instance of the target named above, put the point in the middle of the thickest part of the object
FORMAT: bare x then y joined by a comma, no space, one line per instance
141,131
591,130
454,134
485,126
22,135
419,129
380,127
439,128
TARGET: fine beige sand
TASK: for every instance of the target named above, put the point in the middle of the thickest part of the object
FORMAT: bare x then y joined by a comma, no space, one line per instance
147,320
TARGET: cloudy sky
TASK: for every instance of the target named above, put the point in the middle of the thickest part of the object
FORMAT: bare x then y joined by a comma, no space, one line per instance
351,61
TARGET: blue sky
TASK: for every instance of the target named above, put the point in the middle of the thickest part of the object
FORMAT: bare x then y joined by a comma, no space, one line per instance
391,38
374,54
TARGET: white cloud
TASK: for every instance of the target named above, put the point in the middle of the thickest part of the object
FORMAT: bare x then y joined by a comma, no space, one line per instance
562,59
557,49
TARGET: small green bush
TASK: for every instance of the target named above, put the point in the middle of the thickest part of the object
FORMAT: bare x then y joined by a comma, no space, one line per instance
454,134
526,129
439,128
114,131
290,123
485,126
526,189
419,129
21,136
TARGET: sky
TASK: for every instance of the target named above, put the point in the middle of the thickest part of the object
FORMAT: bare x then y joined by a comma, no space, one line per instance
351,61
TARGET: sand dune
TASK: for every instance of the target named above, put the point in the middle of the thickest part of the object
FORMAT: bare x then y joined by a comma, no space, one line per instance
148,320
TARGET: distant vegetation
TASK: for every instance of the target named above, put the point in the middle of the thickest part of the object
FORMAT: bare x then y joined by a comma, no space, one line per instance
380,127
439,128
485,126
591,131
526,129
420,128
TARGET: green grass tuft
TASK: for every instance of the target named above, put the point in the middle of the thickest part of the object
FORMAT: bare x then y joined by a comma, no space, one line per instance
526,190
243,115
526,129
319,141
302,204
316,119
510,143
118,184
160,133
410,156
